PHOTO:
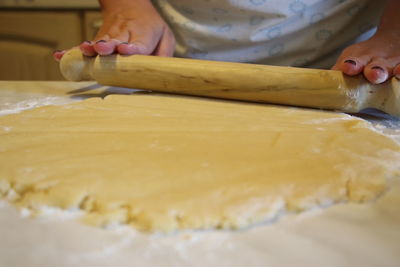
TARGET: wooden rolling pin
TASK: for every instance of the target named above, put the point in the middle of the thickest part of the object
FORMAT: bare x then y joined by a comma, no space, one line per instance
324,89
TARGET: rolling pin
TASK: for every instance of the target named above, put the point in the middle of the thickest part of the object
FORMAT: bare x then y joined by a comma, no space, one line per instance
315,88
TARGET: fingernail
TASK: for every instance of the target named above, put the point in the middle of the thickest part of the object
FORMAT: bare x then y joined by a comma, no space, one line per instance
350,61
88,42
100,41
378,68
125,43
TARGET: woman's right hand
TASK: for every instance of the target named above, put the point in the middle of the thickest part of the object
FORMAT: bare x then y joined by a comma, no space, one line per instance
129,27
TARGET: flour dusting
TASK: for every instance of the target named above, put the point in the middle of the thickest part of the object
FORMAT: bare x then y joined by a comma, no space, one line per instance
10,107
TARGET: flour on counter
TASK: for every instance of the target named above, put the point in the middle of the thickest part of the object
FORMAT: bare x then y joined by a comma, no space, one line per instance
12,107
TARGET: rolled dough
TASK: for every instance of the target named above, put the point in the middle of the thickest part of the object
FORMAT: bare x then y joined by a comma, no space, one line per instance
163,163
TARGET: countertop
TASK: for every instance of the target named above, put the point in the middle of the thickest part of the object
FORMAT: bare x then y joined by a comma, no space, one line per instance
341,235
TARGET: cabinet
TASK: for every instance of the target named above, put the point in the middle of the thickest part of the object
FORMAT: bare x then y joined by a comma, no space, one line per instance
92,24
28,39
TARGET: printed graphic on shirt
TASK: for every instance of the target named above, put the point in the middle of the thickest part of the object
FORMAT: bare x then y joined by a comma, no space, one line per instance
276,32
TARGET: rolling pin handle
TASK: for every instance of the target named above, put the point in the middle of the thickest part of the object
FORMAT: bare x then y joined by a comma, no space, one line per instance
74,66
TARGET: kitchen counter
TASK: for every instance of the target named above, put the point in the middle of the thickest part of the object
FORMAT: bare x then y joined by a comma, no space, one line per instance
342,235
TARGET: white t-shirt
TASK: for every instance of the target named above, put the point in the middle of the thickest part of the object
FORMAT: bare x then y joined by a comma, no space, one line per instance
275,32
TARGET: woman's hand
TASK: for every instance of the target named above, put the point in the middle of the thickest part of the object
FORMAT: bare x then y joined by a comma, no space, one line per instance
129,27
379,57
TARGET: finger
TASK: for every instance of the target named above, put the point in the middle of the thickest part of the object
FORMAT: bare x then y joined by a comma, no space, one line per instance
396,71
126,48
87,49
145,42
105,48
109,38
351,65
166,46
376,74
58,54
102,35
379,70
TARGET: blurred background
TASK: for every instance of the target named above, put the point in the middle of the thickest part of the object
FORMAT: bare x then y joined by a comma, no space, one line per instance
30,30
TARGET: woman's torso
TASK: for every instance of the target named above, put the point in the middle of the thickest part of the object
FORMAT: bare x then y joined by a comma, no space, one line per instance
276,32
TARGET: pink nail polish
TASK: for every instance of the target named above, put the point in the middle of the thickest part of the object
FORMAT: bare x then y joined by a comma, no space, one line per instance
350,61
378,68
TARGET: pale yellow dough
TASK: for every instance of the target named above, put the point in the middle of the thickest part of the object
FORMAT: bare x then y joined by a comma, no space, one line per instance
163,163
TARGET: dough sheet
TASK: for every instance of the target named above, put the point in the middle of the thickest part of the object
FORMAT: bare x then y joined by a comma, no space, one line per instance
162,163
